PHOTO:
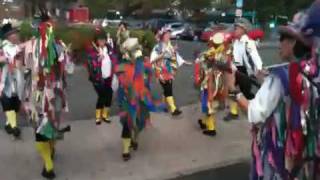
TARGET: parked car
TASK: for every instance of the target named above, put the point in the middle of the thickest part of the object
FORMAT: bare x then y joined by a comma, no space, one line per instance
256,34
176,28
156,24
194,30
210,31
188,33
113,18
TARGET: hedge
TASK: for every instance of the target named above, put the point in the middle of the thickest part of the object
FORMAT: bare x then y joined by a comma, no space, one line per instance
80,36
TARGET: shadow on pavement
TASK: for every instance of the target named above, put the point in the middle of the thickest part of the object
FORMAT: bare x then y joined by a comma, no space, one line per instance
237,171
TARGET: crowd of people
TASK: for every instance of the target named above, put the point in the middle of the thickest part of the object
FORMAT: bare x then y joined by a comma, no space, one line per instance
284,112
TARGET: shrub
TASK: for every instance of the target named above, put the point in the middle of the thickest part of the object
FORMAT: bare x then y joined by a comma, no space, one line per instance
26,30
80,36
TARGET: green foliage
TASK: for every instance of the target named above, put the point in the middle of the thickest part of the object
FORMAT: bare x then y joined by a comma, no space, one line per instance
26,30
81,36
267,8
194,5
148,42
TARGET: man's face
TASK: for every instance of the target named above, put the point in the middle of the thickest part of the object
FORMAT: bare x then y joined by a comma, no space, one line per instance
122,27
101,42
166,37
286,48
239,31
14,38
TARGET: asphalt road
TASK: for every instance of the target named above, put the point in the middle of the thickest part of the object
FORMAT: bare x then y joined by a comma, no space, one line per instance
82,97
232,172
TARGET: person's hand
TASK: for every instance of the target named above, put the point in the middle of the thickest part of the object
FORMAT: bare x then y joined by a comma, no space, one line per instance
188,63
161,56
261,74
233,94
100,57
161,80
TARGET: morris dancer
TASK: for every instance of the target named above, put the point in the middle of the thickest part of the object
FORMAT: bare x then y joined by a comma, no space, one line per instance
211,79
100,68
166,62
45,92
246,59
285,110
134,95
11,82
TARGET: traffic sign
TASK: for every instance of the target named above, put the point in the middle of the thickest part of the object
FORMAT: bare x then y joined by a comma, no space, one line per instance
239,3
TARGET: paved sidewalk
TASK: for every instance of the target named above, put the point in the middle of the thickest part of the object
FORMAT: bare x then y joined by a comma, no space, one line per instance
168,149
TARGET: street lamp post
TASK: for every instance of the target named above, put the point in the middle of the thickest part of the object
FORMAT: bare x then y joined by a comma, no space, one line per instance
239,6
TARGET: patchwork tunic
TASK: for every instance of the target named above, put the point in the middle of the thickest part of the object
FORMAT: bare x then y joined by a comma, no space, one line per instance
210,78
45,90
136,100
285,118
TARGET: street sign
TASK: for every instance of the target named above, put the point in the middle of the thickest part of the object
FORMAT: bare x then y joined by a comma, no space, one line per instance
239,12
239,3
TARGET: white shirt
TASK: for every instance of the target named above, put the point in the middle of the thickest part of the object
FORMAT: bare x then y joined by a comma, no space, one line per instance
168,51
266,100
106,63
240,46
10,50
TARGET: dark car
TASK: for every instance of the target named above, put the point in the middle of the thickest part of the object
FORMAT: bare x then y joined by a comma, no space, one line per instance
194,30
189,33
157,24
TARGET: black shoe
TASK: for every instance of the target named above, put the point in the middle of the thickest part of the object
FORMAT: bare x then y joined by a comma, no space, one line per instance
134,146
177,112
126,157
8,129
230,117
98,122
48,175
16,132
211,133
106,120
65,129
202,126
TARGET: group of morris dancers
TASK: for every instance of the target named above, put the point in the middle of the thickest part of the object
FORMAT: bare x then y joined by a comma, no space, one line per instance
284,112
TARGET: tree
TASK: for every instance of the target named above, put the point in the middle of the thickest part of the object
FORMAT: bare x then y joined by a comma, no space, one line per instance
267,8
32,6
99,7
195,5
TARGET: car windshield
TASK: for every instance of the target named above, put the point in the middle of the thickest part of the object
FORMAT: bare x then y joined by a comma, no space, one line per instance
176,26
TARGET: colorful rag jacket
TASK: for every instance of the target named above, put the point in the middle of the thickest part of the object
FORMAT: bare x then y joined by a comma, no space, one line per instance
135,97
285,117
100,71
11,81
45,87
209,77
165,69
